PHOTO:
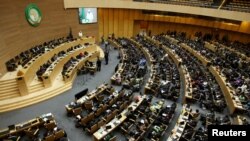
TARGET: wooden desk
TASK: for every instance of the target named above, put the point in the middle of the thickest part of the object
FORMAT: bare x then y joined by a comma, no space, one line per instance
172,40
188,86
88,96
115,44
178,129
145,51
238,120
26,125
28,73
56,67
102,132
72,71
233,50
119,71
151,79
209,46
228,91
184,75
204,60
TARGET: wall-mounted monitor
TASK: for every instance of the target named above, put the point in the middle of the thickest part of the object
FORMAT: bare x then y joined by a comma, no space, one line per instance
87,15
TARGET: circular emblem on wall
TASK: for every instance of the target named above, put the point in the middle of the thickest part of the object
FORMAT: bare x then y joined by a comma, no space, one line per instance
33,14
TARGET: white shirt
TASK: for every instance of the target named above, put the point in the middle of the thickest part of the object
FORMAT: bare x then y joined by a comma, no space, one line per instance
90,16
80,34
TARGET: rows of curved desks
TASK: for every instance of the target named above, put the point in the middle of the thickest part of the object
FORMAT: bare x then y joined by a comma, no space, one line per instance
231,98
184,74
27,74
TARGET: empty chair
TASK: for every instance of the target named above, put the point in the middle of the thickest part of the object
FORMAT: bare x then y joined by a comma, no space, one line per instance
92,129
77,111
31,133
50,138
99,111
100,97
100,123
112,101
105,107
114,113
91,116
88,105
84,121
122,107
109,117
59,134
50,126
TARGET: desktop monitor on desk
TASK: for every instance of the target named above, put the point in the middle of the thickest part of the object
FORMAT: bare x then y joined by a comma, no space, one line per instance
81,94
119,116
130,108
12,127
108,127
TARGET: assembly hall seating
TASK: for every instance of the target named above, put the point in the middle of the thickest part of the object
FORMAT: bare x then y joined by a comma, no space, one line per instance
43,128
196,3
234,66
232,5
43,70
237,5
26,56
228,72
132,68
204,87
164,77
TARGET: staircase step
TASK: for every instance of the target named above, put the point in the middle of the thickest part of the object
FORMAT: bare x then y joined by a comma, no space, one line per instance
36,99
35,89
8,84
7,81
10,91
36,85
9,96
8,87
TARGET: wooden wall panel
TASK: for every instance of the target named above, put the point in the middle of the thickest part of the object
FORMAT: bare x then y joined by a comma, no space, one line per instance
111,21
100,23
126,26
106,22
150,27
127,23
116,23
136,14
131,23
17,35
121,22
136,28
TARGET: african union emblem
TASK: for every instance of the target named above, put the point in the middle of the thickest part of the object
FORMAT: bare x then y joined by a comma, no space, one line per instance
33,14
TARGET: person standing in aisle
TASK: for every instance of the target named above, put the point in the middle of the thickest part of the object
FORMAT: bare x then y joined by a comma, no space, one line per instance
106,55
99,64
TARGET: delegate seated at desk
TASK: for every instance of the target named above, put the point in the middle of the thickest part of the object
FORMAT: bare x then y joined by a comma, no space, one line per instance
118,78
88,64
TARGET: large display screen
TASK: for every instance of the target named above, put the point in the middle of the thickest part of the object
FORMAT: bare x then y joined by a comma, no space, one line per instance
87,15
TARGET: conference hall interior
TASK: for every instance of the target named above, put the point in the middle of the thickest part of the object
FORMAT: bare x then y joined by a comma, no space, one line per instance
123,70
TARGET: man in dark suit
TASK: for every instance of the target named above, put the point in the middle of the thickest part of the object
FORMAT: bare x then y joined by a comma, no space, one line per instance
106,57
99,64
